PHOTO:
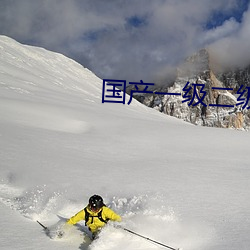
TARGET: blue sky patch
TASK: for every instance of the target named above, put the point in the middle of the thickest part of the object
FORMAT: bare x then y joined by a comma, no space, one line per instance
136,21
219,17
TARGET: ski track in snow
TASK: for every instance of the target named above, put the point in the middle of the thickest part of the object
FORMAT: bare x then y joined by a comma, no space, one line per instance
43,117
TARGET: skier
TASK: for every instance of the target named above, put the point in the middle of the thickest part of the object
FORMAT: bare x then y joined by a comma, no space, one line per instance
95,214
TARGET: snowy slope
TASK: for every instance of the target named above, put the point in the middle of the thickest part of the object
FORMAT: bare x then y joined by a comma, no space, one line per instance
179,184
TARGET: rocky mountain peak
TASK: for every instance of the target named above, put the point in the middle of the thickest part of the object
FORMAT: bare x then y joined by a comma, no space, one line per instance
219,106
197,64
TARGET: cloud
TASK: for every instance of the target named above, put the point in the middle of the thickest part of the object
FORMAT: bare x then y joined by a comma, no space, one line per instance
119,39
228,28
232,50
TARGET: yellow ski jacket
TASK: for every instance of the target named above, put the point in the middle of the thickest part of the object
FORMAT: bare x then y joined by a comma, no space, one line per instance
94,223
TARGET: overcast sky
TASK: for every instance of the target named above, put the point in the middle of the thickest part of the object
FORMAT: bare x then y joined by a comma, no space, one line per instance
131,39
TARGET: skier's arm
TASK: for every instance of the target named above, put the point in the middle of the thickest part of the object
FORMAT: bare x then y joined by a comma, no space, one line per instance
110,214
77,217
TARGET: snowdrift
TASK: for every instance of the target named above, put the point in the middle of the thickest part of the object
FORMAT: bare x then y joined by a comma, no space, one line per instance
182,185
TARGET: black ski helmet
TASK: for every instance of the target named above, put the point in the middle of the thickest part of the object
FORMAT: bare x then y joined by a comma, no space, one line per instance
96,202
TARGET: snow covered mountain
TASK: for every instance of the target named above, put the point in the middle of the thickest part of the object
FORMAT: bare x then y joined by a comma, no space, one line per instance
202,69
182,185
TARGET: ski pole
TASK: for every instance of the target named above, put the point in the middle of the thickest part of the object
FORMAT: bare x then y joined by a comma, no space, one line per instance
146,238
45,228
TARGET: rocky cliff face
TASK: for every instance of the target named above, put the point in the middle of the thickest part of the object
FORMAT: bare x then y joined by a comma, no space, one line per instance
206,109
